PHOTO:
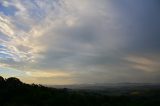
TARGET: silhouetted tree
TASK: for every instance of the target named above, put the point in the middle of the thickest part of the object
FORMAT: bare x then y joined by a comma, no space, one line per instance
13,82
15,93
1,79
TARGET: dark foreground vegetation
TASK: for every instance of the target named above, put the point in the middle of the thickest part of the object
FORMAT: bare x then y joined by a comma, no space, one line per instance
15,93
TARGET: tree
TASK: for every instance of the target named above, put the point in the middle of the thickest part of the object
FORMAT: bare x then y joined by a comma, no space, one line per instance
1,79
12,81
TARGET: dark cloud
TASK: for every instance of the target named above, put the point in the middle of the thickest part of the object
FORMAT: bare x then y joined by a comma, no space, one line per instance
96,41
143,23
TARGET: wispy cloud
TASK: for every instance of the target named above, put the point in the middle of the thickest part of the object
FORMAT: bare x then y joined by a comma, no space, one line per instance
92,41
147,64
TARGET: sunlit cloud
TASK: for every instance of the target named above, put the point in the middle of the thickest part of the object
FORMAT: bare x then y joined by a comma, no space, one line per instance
11,72
86,41
46,74
6,27
143,63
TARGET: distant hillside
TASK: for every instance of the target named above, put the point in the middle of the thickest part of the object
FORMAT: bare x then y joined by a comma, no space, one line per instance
104,86
13,92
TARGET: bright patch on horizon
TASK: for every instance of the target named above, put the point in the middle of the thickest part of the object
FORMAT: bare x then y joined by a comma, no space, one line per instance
46,74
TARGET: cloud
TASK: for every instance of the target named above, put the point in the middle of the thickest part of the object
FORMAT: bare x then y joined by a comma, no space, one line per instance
94,41
11,72
147,64
46,74
5,27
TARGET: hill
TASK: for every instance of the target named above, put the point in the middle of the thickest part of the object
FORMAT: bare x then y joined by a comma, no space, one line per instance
13,92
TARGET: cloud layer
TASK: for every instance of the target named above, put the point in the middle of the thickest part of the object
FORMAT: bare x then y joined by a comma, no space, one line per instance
80,41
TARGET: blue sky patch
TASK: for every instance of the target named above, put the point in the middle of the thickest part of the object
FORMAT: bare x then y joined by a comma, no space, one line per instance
9,11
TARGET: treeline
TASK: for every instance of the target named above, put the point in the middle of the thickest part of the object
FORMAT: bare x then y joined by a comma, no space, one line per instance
13,92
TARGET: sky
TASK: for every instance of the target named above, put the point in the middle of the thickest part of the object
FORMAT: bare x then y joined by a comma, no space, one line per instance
62,42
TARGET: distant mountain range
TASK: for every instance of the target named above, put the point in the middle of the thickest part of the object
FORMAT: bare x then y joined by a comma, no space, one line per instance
13,92
103,86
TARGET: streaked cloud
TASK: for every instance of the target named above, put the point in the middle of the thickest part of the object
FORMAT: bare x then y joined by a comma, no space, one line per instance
46,74
147,64
86,41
